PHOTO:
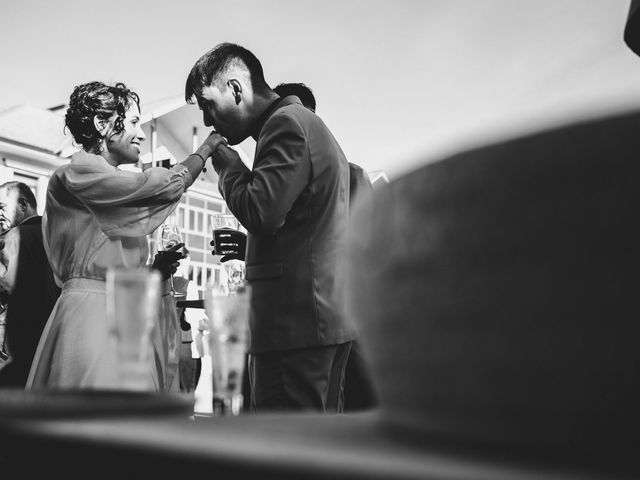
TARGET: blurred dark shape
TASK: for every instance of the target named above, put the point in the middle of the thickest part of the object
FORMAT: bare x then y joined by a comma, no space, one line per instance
497,292
359,385
632,28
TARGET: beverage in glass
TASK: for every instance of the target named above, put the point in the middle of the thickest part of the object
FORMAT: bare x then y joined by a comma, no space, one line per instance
170,238
224,226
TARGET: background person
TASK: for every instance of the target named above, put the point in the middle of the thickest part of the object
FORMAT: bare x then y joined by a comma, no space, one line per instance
97,217
294,206
300,90
359,390
5,357
25,279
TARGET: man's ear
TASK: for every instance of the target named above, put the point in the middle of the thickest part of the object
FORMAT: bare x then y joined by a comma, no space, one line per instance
236,89
23,204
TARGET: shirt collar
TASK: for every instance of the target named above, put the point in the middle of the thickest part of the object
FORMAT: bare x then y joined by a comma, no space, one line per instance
28,219
25,221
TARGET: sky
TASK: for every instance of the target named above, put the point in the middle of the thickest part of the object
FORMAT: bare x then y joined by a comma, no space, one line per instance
400,83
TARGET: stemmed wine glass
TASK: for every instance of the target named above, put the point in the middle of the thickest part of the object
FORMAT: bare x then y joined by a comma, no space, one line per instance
170,237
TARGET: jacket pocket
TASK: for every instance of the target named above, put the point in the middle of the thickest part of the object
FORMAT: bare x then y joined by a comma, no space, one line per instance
264,271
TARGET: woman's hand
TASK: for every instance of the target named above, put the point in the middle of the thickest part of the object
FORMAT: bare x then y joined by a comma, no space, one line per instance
167,261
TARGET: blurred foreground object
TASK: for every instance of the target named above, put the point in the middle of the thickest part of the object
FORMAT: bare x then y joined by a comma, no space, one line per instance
228,321
133,303
503,310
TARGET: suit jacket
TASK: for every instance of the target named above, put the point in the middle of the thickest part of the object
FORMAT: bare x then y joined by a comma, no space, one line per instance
294,205
33,293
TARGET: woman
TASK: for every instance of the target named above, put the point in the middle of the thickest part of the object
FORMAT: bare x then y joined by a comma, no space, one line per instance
97,217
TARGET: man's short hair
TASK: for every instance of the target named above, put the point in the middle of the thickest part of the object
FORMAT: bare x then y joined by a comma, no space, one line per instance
24,192
300,90
216,61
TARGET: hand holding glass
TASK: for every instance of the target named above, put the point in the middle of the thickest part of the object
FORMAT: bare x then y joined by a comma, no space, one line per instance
230,243
224,227
171,240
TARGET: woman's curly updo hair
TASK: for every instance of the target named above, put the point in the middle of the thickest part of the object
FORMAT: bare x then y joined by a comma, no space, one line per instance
97,99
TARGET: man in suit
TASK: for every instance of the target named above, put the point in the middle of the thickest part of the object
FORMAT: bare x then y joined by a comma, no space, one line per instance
25,276
294,205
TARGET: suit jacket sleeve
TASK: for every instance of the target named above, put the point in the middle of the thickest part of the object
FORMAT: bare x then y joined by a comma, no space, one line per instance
262,198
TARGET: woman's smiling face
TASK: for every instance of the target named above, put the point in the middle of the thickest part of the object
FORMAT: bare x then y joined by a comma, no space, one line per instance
124,147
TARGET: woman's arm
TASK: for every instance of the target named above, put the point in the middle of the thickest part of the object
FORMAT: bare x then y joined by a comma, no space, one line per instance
196,161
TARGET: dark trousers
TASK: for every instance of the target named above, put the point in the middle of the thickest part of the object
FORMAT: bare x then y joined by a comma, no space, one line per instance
301,379
359,390
189,369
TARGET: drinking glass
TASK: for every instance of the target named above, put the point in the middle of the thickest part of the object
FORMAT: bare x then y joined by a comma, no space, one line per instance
133,304
170,237
224,227
224,220
236,274
228,317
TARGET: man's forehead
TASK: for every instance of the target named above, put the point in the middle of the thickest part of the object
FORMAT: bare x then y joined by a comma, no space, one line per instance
209,92
7,194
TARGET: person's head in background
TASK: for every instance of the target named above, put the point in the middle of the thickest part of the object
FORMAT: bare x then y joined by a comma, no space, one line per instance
105,120
229,87
301,91
357,176
17,203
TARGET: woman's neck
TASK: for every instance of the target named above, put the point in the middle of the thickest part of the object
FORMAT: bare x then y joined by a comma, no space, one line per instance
104,153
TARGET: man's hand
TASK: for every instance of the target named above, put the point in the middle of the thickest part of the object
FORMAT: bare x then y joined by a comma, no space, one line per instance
211,144
231,244
223,157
